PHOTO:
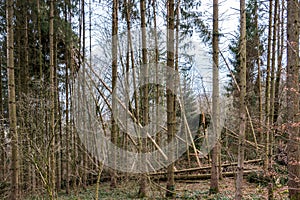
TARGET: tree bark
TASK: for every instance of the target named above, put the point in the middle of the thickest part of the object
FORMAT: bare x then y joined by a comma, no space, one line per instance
84,148
68,67
14,193
292,83
257,40
145,107
280,48
241,144
52,162
114,83
268,89
2,133
157,90
214,184
170,192
272,100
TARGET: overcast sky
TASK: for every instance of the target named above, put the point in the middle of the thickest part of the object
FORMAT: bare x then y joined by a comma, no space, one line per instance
228,24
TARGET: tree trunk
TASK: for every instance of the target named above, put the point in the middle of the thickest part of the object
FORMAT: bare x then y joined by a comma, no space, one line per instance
74,143
170,94
14,193
214,184
272,86
114,83
272,99
59,141
145,108
40,63
292,83
257,40
68,66
2,133
52,162
280,48
241,144
84,148
268,89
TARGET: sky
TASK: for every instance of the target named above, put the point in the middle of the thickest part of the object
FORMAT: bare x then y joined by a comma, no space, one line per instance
228,25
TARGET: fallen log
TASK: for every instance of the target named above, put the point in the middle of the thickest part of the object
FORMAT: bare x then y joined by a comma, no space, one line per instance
202,176
206,168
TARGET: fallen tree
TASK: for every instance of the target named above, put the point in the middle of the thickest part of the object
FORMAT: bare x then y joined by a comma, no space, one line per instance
206,167
202,176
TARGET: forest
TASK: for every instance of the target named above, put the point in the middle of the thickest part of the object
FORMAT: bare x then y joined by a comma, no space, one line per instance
149,99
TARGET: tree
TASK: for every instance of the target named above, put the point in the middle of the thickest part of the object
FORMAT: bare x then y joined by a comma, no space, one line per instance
254,61
214,185
268,90
145,107
258,62
2,133
280,48
68,67
52,162
114,53
82,26
170,96
12,101
242,103
272,100
293,99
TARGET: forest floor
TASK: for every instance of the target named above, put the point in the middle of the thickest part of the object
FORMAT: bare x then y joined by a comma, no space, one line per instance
255,187
184,190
